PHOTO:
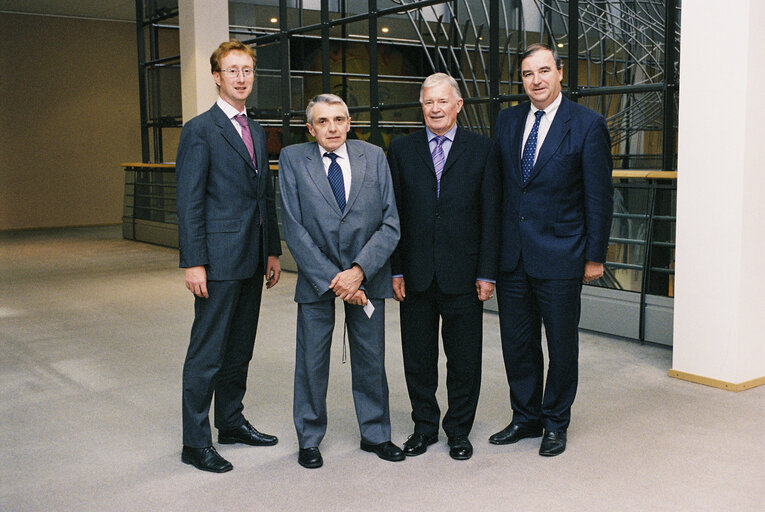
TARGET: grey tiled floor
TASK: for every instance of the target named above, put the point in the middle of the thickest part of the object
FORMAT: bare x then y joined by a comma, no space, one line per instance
93,331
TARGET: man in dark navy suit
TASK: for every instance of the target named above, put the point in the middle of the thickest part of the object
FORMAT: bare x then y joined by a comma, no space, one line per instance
447,188
556,217
228,240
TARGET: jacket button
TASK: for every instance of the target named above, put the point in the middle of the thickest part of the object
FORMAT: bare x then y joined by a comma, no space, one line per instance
523,218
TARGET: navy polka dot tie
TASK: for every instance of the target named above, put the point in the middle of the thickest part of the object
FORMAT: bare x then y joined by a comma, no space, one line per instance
530,149
335,177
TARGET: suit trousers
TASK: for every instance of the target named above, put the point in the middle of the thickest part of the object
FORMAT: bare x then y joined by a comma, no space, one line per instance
220,349
462,331
525,303
366,340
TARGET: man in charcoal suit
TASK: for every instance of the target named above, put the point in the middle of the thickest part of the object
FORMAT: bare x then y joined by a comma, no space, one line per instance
447,191
228,240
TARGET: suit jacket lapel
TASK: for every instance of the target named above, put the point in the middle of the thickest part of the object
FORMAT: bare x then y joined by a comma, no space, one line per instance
558,131
315,169
358,161
232,136
422,148
516,129
454,152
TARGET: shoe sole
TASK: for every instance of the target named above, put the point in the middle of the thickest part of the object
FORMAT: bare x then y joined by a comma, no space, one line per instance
234,440
460,457
513,441
415,454
552,454
202,468
312,465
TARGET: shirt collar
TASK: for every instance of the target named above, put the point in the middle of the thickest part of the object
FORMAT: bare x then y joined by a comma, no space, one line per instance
229,109
342,151
449,135
552,108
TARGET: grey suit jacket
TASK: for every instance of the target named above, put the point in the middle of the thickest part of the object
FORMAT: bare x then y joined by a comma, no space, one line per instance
322,239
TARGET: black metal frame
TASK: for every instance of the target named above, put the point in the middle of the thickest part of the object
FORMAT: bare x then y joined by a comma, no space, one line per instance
148,27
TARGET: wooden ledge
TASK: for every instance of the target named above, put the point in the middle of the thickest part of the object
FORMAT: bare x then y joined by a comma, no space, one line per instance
706,381
273,167
151,166
651,175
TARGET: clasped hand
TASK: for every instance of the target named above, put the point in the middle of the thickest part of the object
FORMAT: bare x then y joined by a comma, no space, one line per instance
346,286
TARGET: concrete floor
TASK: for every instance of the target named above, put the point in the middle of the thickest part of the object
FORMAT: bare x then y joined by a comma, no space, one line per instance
93,332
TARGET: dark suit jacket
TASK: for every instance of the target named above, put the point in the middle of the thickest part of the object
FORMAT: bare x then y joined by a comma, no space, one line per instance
322,239
562,215
453,237
221,199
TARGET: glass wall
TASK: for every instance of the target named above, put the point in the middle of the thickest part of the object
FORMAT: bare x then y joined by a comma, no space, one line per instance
620,58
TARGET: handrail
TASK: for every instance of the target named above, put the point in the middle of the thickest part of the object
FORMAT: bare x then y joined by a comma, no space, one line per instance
617,173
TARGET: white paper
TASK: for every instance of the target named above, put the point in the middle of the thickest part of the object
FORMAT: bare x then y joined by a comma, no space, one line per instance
369,309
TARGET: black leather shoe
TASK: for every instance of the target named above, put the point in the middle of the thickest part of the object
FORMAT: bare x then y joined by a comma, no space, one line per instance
514,433
417,444
310,457
206,459
553,443
460,448
386,451
246,434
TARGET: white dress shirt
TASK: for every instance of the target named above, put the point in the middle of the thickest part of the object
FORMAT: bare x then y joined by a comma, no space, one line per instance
231,113
342,160
544,124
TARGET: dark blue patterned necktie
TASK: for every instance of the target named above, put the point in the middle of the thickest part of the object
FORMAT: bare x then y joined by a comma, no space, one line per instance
530,149
335,177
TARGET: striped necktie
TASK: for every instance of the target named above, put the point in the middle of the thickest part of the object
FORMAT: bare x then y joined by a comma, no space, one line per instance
438,160
335,177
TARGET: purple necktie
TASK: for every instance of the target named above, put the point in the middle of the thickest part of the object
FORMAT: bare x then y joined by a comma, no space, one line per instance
247,138
438,160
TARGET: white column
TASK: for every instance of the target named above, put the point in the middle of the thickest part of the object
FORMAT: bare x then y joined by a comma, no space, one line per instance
719,330
203,26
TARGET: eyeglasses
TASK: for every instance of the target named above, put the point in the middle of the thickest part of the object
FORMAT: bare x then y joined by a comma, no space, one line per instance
234,72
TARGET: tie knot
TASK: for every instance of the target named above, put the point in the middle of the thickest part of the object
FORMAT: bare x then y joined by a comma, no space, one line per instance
331,156
539,114
241,119
439,139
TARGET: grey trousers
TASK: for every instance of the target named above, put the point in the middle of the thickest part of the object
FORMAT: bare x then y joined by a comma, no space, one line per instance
366,340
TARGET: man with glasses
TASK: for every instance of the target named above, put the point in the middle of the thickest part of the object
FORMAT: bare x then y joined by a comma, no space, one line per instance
228,239
341,226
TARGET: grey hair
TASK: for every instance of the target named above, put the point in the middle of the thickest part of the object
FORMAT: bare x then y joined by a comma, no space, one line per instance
437,79
331,99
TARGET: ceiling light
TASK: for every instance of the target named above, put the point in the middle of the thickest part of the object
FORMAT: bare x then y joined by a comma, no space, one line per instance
385,30
274,20
560,45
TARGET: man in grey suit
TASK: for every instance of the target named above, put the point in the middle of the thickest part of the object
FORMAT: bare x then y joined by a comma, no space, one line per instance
228,239
341,226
